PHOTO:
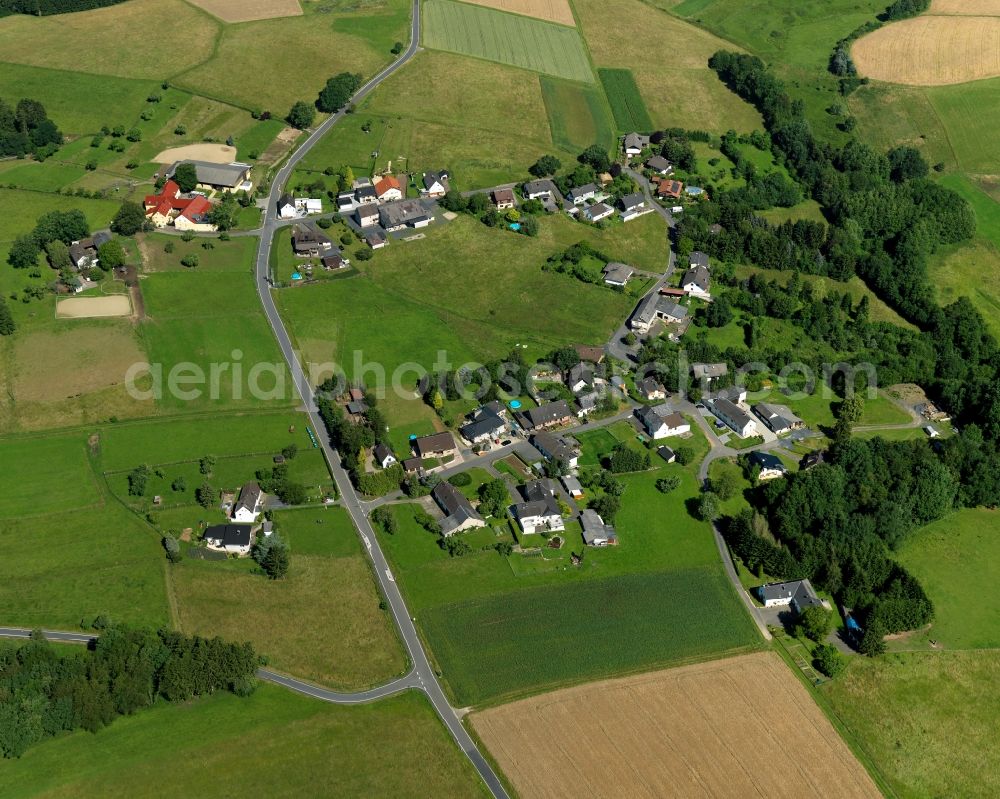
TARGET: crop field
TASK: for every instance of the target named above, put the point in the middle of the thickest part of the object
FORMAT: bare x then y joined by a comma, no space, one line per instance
731,727
321,623
541,637
578,115
551,10
974,7
931,50
678,89
249,10
68,484
506,38
927,719
300,747
627,104
966,608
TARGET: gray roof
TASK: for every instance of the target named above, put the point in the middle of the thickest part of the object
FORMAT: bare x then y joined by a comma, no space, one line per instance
649,385
402,212
697,275
209,174
636,141
618,272
800,591
486,424
539,187
778,417
588,401
366,192
430,178
632,201
594,528
553,446
731,411
382,452
547,414
650,419
598,209
659,163
581,191
250,496
571,483
581,371
453,503
101,237
765,460
666,307
701,370
698,258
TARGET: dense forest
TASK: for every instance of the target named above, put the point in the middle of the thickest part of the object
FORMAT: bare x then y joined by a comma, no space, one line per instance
26,128
44,8
43,693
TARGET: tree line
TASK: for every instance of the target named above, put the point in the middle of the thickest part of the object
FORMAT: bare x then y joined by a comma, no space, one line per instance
45,8
26,128
43,693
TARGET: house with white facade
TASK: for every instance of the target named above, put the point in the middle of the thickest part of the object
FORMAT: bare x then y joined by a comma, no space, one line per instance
662,424
799,594
540,511
235,539
249,504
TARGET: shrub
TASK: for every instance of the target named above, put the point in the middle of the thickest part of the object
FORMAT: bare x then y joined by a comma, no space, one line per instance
828,660
460,479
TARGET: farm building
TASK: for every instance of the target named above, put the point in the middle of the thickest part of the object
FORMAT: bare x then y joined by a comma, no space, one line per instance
221,177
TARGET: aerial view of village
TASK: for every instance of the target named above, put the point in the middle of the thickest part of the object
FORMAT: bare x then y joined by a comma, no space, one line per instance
499,398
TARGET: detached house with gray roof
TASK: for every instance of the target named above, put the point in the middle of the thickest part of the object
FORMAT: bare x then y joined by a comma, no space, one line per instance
797,593
540,510
459,515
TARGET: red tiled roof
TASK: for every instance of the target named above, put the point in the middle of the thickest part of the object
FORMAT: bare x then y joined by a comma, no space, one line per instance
388,182
196,207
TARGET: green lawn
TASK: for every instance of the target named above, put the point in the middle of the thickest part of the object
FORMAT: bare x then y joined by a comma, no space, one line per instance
966,603
45,474
506,38
235,255
928,720
807,209
273,743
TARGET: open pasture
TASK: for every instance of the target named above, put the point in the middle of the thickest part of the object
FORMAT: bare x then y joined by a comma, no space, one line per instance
538,638
578,115
273,743
931,50
249,10
68,480
551,10
506,38
734,727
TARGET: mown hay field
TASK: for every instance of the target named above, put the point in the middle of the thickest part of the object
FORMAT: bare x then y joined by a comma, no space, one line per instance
249,10
735,727
551,10
931,50
506,38
984,8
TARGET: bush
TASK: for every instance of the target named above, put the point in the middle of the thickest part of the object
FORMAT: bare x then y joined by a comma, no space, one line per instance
384,520
684,455
828,660
815,622
190,260
667,484
626,459
363,254
460,479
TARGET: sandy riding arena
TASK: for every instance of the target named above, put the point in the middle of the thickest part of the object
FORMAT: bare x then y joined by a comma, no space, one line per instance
249,10
214,153
744,726
92,307
931,50
551,10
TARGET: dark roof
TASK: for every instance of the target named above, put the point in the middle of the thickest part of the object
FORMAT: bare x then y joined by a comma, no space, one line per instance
650,419
249,499
580,191
285,200
649,385
454,504
367,191
305,238
766,460
618,272
374,237
658,162
553,446
547,414
697,275
598,209
698,258
630,201
732,411
411,464
382,452
539,187
357,406
101,237
430,178
811,459
486,424
799,591
594,527
666,453
209,174
231,535
438,442
402,212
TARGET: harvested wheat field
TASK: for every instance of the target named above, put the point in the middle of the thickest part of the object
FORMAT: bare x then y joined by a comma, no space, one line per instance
94,307
931,50
975,8
743,726
551,10
249,10
215,153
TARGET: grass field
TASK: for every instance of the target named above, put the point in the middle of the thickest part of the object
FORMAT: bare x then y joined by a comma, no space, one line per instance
321,623
505,38
542,637
927,720
627,105
577,113
62,459
807,209
966,608
729,727
235,255
674,81
273,743
415,285
931,50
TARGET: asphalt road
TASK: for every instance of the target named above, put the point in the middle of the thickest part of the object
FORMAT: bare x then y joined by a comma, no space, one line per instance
422,676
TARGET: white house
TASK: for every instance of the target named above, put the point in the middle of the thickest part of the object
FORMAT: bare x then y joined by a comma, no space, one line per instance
556,449
734,417
662,426
536,189
597,212
388,189
797,593
581,194
634,143
232,538
770,465
367,215
435,184
540,511
696,282
617,275
384,456
459,514
595,532
632,205
309,205
248,505
286,207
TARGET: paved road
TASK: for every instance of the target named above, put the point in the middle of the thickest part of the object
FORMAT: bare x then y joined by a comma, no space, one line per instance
423,676
52,635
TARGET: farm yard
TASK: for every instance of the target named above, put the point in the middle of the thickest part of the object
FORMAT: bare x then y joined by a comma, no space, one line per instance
931,50
299,745
551,10
506,38
730,727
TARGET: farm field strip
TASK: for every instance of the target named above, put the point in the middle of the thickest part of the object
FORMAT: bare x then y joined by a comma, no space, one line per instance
626,101
725,728
506,38
550,10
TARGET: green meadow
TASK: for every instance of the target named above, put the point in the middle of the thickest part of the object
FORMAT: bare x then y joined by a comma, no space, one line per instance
578,114
627,104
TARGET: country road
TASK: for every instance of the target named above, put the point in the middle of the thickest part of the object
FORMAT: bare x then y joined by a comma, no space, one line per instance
422,676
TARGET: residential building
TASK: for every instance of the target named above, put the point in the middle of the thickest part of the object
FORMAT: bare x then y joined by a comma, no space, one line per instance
572,486
581,194
334,260
308,205
537,189
194,216
387,189
540,511
346,202
587,402
184,212
778,418
709,371
590,354
618,275
656,307
662,424
83,253
248,505
580,377
375,239
365,194
436,184
669,189
696,282
650,389
797,593
660,165
222,177
502,198
405,213
309,242
549,415
232,538
485,424
811,459
770,465
435,445
734,417
458,512
595,532
597,212
632,205
634,143
412,465
556,448
384,456
367,215
286,207
698,258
